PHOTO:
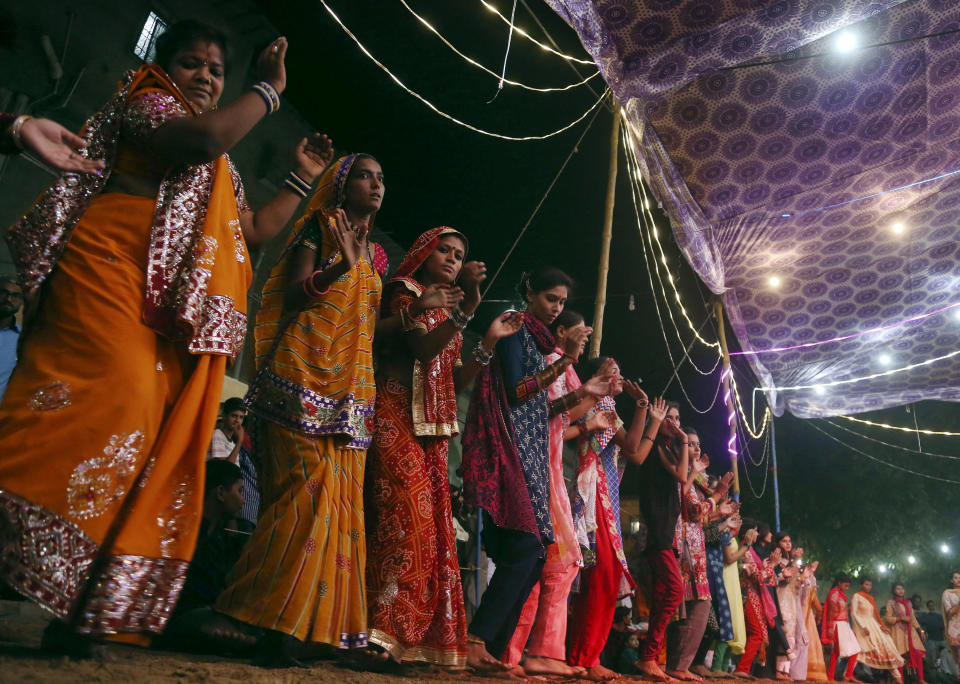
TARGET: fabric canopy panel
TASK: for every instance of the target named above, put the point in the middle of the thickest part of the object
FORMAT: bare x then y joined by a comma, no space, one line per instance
774,154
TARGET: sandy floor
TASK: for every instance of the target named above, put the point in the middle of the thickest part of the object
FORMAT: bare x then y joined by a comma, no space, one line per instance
21,660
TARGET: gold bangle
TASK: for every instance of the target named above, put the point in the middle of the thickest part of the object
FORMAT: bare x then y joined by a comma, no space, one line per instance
16,133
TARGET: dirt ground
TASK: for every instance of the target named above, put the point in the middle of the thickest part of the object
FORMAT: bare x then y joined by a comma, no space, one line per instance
22,661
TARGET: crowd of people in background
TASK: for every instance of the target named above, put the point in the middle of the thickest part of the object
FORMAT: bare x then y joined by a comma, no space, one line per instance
315,514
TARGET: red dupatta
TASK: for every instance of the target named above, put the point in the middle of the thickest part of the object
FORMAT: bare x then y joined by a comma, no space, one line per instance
434,401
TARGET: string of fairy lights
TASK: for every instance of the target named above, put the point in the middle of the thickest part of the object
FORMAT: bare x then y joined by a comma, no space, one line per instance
434,108
546,48
885,426
480,66
653,290
647,259
652,234
932,454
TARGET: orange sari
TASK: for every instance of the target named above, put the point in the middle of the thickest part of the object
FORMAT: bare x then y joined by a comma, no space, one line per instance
106,421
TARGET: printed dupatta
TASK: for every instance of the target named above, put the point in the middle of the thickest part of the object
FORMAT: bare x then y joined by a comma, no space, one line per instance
509,481
197,279
597,495
434,401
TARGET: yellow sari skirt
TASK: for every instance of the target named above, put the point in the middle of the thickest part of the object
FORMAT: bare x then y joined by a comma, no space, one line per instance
302,571
104,430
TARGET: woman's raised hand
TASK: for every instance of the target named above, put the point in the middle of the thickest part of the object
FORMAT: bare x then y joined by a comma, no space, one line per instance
658,409
576,340
633,389
350,239
440,296
600,385
505,325
602,421
471,275
270,66
312,156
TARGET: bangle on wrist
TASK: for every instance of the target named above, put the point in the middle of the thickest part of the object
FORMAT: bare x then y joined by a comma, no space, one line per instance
406,319
296,185
16,130
459,318
310,287
269,94
481,355
582,429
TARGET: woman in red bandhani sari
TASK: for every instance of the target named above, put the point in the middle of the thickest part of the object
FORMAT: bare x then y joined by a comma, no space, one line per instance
414,596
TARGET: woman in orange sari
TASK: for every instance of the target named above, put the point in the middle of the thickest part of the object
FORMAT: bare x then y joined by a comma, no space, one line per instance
301,574
136,281
413,577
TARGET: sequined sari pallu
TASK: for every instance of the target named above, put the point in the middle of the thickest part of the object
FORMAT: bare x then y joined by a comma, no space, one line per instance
106,422
302,572
413,577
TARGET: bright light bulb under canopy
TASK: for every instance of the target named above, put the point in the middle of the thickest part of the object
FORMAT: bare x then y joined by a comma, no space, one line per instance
944,548
912,560
897,228
846,41
884,359
820,391
882,568
774,281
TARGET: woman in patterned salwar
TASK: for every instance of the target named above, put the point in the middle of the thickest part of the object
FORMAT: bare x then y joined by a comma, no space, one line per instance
414,595
601,455
759,610
506,460
301,574
542,627
836,632
136,281
698,506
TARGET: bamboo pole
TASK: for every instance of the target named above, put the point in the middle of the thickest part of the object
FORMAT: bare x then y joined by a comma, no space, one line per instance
601,301
728,397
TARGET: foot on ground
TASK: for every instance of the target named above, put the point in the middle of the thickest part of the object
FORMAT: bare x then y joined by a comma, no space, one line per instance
538,665
649,669
703,671
684,675
224,631
599,673
480,660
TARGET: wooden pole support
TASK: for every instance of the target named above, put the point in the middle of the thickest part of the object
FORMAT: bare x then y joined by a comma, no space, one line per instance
728,395
601,301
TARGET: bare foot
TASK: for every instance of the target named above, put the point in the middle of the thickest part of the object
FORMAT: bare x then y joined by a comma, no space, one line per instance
684,676
702,671
649,669
517,672
538,665
479,659
599,673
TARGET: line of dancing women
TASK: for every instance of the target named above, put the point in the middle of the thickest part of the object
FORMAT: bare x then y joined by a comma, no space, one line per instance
135,280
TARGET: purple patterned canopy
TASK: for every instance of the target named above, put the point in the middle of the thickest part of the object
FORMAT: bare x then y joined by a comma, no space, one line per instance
775,155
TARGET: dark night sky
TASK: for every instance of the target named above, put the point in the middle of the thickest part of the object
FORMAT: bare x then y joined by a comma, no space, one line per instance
440,173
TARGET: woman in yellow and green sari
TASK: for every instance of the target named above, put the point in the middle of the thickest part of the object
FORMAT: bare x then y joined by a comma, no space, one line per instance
136,282
301,575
